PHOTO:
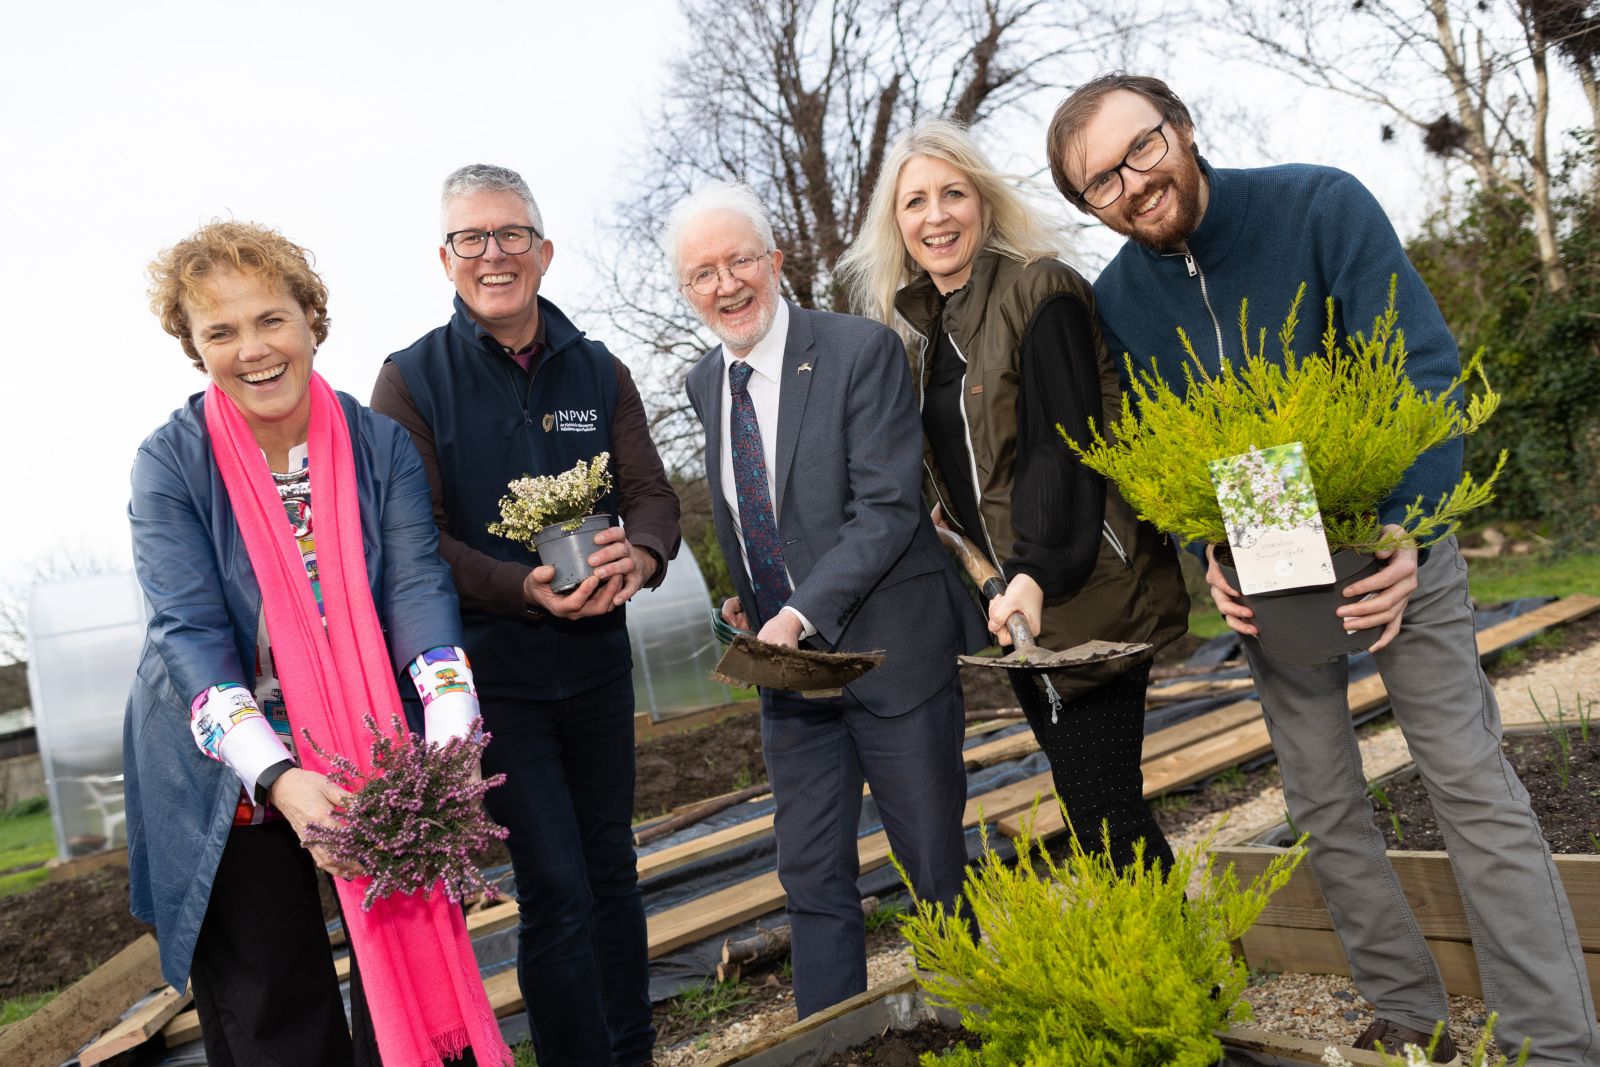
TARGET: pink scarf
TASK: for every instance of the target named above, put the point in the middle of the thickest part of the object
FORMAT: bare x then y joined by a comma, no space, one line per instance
421,979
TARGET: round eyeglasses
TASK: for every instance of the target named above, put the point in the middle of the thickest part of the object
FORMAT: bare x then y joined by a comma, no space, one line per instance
513,241
743,268
1146,152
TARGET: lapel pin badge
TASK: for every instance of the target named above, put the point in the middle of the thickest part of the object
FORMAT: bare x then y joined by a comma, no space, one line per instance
804,368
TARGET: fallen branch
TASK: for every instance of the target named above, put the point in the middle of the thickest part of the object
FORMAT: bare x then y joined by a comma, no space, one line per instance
764,946
698,812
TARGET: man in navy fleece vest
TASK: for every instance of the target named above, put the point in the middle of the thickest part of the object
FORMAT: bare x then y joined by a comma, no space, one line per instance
1201,239
510,387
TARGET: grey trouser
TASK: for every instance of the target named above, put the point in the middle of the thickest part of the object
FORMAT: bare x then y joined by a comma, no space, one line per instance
1522,930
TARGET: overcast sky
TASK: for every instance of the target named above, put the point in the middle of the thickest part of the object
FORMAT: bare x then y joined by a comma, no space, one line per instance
124,126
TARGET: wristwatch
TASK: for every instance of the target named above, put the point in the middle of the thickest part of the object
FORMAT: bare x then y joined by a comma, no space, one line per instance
267,778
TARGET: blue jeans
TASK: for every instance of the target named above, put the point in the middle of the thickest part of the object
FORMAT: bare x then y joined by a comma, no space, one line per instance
582,957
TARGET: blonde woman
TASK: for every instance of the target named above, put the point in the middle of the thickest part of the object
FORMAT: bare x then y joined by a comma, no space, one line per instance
1004,345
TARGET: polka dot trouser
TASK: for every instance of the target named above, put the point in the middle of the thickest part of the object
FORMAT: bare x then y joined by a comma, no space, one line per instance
1094,749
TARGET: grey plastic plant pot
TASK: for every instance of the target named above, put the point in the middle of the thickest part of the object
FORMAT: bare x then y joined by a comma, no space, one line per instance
1299,625
568,551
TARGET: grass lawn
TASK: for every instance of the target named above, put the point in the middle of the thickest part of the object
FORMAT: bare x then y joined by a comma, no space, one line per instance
26,840
19,1008
1509,577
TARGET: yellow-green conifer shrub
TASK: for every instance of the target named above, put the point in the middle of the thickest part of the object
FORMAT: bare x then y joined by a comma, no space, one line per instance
1081,964
1362,421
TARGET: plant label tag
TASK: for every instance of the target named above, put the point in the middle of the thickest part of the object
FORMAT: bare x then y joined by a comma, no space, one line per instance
1269,507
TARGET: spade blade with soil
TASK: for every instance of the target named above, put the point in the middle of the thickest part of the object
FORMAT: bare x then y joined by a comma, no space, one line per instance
1026,655
748,661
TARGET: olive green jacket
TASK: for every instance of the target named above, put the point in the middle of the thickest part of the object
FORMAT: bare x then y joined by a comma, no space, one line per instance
1135,591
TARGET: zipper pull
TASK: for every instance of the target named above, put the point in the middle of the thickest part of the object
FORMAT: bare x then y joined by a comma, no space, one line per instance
1055,701
1188,261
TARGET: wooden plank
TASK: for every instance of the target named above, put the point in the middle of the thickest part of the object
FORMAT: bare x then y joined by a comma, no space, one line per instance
1302,951
686,852
60,869
1167,694
711,914
1529,623
1179,736
1224,734
705,916
1190,751
646,730
1430,889
1284,1046
816,1021
137,1028
94,1002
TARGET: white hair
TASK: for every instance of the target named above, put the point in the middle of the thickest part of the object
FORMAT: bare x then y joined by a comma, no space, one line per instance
487,178
736,197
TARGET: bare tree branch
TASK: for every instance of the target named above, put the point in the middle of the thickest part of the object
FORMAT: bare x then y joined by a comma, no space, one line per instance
1473,77
800,99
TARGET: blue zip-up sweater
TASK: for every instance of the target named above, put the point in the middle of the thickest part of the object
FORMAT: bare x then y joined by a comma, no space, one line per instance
1265,231
492,423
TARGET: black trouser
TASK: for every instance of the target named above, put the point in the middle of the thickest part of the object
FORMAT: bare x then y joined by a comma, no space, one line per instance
1094,747
264,984
582,943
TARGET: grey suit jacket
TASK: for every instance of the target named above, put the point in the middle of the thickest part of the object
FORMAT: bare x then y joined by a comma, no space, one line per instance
868,571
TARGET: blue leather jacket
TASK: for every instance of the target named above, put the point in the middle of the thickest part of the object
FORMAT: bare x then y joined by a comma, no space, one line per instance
204,605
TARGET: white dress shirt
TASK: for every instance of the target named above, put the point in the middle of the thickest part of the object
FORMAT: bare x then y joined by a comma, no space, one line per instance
766,378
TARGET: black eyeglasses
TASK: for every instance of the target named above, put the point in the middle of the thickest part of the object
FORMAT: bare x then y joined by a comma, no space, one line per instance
1145,154
704,281
513,241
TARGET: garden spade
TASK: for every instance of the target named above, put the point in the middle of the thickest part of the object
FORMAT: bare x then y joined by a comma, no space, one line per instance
812,674
1026,655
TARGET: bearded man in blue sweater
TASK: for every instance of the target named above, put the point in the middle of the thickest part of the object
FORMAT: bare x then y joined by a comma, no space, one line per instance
1201,239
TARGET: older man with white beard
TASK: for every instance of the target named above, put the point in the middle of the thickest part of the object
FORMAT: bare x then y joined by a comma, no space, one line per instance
813,456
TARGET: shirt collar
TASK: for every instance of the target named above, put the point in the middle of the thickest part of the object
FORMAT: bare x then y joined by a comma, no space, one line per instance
766,358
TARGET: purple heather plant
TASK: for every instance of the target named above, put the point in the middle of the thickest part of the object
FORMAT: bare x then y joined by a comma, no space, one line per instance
416,819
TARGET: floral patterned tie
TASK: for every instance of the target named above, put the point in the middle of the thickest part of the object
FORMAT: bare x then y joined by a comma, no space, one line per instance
761,545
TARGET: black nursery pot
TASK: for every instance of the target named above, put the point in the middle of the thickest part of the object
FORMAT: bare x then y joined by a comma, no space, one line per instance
568,551
1299,625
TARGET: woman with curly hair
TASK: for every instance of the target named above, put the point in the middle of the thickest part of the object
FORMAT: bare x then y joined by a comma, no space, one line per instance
267,628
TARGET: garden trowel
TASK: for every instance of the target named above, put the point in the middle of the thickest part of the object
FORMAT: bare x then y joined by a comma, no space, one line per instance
812,674
1026,655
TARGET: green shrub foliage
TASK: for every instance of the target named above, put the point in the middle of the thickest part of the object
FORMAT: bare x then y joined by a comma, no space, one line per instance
1361,420
1543,349
1082,964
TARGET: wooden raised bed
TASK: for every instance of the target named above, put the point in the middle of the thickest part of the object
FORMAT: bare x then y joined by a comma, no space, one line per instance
899,1005
1295,933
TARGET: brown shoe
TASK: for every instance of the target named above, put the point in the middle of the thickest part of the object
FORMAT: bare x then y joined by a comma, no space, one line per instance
1392,1038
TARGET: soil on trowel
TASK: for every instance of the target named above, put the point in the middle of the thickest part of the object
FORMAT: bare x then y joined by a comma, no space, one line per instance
904,1048
57,932
1568,811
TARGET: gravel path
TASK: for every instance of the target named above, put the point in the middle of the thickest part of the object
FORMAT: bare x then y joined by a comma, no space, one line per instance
1319,1007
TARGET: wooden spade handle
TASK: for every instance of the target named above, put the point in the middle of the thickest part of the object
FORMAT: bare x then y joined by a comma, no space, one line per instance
988,579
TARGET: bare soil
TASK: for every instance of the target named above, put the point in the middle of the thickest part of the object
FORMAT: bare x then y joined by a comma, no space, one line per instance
1569,812
55,933
903,1048
680,769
